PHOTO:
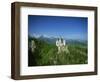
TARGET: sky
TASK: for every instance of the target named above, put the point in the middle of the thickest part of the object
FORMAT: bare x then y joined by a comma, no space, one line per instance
58,26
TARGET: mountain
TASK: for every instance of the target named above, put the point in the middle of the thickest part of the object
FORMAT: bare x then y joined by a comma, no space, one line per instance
52,40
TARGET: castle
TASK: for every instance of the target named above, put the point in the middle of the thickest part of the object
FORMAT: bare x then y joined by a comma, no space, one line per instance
61,44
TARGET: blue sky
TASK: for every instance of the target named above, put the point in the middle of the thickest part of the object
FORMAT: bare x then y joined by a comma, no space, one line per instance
58,26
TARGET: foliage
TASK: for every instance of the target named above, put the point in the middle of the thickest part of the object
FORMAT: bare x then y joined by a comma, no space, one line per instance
46,54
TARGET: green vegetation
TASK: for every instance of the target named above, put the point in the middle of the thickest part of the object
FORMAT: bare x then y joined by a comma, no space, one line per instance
46,54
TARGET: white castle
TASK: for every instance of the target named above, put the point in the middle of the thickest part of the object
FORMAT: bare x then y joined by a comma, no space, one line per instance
61,44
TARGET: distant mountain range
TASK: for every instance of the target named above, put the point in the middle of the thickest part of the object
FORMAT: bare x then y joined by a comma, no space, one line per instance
52,40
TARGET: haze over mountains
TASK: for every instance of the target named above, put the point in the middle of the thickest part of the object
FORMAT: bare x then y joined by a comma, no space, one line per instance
52,40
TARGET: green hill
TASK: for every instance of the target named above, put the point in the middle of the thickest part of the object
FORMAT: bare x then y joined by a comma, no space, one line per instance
46,54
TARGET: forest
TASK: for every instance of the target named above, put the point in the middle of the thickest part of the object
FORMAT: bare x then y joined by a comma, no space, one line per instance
46,54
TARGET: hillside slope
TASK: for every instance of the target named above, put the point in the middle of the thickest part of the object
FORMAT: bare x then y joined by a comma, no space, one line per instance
46,54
